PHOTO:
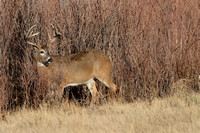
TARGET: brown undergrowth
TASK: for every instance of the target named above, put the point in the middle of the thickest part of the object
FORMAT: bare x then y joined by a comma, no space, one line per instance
154,46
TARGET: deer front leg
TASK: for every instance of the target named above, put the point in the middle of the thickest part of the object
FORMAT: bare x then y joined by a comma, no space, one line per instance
61,89
61,94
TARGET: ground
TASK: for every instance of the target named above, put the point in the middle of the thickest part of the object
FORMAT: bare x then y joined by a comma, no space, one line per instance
174,114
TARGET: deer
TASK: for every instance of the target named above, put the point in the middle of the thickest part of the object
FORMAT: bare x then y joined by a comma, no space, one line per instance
74,69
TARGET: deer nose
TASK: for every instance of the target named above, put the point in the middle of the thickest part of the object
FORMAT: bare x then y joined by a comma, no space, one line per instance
49,60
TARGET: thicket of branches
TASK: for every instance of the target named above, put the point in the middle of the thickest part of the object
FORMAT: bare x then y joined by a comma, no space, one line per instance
152,44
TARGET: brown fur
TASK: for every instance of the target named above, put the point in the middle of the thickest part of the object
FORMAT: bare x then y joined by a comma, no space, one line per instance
72,69
79,68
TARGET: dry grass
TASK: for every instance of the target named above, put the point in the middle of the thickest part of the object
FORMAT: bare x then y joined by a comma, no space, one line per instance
173,114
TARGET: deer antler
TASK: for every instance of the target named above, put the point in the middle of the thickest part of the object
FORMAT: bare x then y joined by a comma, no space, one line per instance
56,34
30,34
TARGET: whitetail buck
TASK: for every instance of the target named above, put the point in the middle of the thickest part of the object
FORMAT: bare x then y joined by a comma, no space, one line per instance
74,69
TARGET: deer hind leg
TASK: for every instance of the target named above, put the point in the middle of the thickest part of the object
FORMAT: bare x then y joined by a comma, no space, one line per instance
93,90
108,82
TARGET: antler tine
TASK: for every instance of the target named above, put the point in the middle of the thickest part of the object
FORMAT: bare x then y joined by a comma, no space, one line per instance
56,33
52,26
34,34
30,30
30,34
54,30
48,33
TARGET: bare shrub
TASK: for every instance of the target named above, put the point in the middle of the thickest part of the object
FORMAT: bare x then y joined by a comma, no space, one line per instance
182,87
152,44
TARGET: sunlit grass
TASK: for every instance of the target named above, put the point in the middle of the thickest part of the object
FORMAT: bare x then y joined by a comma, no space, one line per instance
172,114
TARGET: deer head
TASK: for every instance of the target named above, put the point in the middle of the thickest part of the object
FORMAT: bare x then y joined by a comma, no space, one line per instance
41,52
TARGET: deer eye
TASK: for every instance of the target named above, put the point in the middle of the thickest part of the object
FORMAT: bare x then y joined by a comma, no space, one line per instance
41,52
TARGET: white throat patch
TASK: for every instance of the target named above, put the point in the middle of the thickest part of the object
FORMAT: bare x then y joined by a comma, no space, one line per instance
39,64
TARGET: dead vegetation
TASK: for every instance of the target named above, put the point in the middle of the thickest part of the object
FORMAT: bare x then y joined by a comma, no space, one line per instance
183,87
173,114
155,53
154,47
